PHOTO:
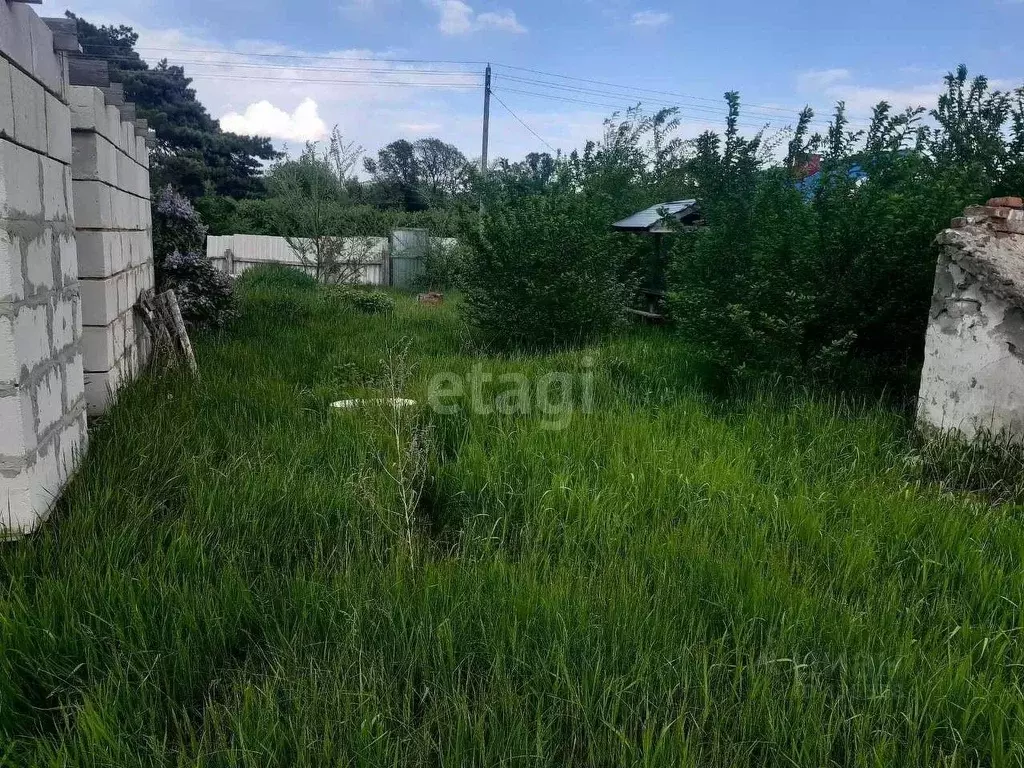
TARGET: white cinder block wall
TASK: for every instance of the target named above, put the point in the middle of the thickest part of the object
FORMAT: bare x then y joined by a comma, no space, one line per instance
110,167
75,246
42,389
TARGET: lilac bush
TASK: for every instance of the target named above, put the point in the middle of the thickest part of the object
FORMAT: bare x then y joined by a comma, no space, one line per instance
179,239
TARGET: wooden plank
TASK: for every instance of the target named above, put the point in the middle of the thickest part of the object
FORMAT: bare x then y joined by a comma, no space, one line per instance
89,72
184,343
653,317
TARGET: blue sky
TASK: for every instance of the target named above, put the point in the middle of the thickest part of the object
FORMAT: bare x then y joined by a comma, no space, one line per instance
255,60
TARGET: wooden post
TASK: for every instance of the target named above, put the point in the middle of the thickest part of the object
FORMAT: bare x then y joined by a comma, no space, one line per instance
229,261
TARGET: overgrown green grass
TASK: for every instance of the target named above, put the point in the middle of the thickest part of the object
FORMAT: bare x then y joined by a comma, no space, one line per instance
671,580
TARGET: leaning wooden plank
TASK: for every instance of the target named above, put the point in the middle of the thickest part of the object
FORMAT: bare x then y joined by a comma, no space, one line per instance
181,332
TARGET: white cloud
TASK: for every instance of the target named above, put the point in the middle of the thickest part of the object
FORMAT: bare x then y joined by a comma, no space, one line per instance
459,18
840,85
650,19
504,21
819,79
264,119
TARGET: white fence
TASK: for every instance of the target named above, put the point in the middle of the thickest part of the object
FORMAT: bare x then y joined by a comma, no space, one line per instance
384,261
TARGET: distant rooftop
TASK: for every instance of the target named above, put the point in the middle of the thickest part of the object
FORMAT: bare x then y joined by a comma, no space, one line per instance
654,220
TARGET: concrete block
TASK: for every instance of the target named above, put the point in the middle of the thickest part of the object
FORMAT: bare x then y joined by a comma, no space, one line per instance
112,128
98,348
24,342
67,250
93,158
29,111
133,294
88,109
121,204
16,511
39,261
95,252
120,252
122,292
120,329
18,436
9,366
46,66
15,39
12,284
131,248
6,100
21,182
49,400
99,300
58,129
100,389
55,194
47,480
74,379
69,193
92,205
65,334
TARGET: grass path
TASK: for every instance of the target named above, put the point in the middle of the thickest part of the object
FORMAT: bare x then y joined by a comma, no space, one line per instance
669,581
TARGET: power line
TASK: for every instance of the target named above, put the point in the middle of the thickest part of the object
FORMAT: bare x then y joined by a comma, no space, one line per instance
604,94
789,112
254,79
617,107
633,89
292,55
521,121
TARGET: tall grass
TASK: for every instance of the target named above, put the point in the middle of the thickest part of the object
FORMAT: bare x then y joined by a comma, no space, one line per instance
669,581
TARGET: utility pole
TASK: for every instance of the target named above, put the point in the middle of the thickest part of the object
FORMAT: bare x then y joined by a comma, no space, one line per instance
487,135
487,118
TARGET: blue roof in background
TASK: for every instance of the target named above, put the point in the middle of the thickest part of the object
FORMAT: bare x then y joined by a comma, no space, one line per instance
652,219
810,184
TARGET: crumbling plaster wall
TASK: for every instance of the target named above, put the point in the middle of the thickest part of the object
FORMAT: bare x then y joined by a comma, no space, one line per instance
973,376
42,387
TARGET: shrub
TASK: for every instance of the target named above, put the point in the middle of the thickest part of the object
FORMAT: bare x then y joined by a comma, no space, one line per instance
177,226
277,276
444,266
545,272
362,299
203,292
833,280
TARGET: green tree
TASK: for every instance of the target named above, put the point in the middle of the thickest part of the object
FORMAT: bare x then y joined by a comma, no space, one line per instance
310,206
193,154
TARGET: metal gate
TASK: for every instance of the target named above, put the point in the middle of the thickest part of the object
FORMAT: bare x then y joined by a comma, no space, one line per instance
408,254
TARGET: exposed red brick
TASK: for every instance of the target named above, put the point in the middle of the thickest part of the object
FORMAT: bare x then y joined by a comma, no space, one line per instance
1006,202
432,298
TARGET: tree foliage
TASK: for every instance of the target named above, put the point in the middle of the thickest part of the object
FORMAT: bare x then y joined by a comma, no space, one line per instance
834,280
427,173
204,292
311,196
193,154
